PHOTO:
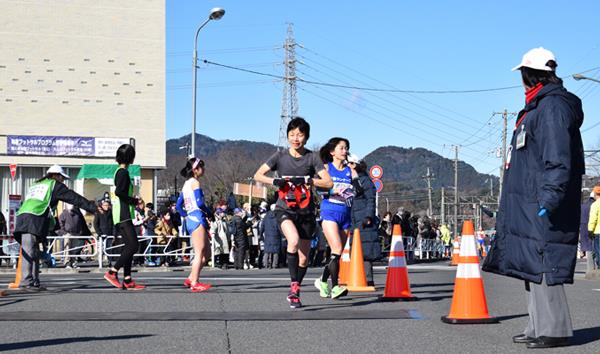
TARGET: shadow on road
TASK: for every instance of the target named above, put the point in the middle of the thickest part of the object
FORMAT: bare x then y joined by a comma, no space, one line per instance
61,341
585,336
11,302
510,317
430,284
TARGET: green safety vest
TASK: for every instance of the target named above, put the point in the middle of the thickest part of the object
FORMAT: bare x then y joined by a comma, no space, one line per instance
116,203
38,198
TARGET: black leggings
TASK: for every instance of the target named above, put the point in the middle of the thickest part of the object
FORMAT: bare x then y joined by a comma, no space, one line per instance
130,247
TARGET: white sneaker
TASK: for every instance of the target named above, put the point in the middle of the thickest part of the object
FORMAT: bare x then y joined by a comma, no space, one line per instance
245,266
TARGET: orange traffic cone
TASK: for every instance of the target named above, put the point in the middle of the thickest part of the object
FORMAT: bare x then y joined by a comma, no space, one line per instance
397,285
455,251
468,302
345,263
17,282
357,280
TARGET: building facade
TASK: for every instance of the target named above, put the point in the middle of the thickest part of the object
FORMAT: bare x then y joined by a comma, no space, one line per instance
77,79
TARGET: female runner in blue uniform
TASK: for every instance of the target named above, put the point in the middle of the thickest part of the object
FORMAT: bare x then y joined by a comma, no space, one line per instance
336,212
190,204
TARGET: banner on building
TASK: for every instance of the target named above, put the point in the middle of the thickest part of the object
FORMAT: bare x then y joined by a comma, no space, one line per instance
63,145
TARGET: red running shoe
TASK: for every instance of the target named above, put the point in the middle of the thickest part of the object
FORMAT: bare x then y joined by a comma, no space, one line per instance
132,285
294,295
112,279
200,287
187,283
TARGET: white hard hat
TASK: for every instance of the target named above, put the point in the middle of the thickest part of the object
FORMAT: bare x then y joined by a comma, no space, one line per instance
59,170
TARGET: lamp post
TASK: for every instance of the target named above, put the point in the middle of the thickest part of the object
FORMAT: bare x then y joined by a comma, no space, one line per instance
215,14
582,77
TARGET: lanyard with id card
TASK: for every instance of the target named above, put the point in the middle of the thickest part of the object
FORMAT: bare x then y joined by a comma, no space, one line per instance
521,138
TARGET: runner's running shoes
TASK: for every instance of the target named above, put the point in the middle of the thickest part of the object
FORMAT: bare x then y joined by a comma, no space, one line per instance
132,285
294,295
199,287
113,279
323,288
338,291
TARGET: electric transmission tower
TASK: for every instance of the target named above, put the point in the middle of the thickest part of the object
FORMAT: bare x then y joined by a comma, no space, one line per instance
289,100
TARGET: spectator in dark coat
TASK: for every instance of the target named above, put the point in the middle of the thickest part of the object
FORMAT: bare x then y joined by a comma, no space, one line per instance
240,238
271,235
363,215
539,214
585,239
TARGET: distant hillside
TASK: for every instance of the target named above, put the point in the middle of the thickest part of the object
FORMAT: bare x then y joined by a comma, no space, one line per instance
408,166
231,161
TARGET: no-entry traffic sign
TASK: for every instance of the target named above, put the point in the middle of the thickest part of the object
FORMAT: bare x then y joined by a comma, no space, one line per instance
376,172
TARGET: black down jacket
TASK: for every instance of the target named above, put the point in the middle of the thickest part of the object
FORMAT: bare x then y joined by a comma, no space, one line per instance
363,207
544,173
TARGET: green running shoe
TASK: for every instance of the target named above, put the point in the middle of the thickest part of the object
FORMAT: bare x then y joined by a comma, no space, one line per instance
323,287
338,291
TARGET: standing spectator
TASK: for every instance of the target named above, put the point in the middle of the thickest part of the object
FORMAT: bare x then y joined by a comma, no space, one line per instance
165,232
363,216
446,239
103,224
220,235
538,217
272,238
72,223
585,238
3,231
150,220
3,226
594,227
240,237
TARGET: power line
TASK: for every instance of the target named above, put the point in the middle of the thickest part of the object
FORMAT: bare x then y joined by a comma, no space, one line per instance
374,89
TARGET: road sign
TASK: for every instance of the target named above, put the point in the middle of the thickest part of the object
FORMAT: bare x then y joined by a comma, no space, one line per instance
378,184
376,172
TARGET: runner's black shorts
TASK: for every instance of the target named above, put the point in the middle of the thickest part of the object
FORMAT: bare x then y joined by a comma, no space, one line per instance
303,220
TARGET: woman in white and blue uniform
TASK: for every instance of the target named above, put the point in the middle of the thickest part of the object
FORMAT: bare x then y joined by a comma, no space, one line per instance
336,212
190,205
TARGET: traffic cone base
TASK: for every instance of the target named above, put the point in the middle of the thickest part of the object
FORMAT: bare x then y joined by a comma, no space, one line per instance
397,285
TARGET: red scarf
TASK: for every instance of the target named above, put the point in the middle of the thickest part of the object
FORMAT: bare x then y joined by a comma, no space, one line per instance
532,92
529,96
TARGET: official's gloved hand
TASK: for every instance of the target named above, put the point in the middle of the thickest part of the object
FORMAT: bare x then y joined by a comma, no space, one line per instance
279,182
542,212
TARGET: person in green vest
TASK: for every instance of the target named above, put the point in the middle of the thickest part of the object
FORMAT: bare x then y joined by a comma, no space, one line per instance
35,218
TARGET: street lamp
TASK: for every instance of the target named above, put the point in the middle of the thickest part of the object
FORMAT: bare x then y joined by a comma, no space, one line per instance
582,77
215,14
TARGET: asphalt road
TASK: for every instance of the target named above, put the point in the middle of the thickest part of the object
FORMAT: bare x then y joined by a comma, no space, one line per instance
246,312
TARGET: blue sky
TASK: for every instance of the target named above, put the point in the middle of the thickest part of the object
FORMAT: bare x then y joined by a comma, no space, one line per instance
408,45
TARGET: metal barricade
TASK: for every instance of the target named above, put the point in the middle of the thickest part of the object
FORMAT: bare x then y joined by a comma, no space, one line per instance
429,249
151,249
10,250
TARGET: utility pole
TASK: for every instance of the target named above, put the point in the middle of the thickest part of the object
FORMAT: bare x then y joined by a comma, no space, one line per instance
455,189
428,177
504,115
443,207
289,100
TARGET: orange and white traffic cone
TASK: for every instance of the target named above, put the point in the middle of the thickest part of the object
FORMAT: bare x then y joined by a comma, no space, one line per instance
455,251
397,285
357,280
17,282
468,302
345,263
